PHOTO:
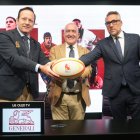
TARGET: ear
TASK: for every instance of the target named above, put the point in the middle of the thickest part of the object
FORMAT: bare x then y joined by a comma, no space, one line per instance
121,22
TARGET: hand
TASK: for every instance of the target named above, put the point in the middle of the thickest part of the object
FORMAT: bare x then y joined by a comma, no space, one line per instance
46,69
98,82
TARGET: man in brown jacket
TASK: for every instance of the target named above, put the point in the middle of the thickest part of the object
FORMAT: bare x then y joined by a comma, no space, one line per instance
69,103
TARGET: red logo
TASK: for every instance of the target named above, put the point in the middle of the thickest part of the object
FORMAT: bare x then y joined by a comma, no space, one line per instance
67,67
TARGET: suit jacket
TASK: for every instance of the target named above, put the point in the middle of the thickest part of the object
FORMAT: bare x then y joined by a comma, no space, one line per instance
15,67
115,67
58,52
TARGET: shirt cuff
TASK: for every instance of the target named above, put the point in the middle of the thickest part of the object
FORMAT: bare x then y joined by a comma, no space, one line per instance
37,68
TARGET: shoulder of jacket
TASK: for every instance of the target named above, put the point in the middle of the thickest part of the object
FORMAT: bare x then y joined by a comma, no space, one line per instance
58,46
81,47
35,41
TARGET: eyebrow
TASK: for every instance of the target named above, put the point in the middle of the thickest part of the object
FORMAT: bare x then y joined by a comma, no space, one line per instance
11,21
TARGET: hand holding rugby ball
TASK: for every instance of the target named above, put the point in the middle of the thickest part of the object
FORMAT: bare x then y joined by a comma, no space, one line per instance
68,68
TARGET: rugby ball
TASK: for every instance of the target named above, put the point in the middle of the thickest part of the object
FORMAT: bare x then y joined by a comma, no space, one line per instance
68,68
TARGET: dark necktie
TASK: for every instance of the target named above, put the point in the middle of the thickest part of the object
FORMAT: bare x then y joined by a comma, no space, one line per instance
71,53
118,46
70,82
25,40
120,53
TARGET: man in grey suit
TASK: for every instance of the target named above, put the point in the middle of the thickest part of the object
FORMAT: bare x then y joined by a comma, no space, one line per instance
19,68
122,70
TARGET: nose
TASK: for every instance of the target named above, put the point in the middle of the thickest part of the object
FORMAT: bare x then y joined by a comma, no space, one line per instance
27,21
111,24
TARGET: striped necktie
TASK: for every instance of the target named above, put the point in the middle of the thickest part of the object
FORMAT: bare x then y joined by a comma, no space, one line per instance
118,46
70,82
25,40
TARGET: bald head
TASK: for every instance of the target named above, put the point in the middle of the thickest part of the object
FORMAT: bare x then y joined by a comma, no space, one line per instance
71,25
71,33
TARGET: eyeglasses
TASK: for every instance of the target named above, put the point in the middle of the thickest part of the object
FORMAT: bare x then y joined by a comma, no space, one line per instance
113,22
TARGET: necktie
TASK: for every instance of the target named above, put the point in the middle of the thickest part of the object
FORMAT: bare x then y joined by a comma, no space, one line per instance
118,46
25,40
70,82
120,53
71,53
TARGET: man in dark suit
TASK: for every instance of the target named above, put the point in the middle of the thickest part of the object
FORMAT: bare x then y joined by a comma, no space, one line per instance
122,70
18,67
69,103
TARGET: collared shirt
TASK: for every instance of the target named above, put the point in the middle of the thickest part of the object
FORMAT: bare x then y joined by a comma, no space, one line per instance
24,35
75,50
77,85
37,66
121,39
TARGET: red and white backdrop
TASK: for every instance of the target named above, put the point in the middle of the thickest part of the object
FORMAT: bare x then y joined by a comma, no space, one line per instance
53,18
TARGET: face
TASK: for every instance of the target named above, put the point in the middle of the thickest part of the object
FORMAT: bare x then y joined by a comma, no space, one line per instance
48,41
10,24
25,22
71,33
113,24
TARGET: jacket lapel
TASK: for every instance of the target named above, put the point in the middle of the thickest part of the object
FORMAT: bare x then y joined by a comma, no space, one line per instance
126,45
32,48
80,50
113,47
19,41
62,51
